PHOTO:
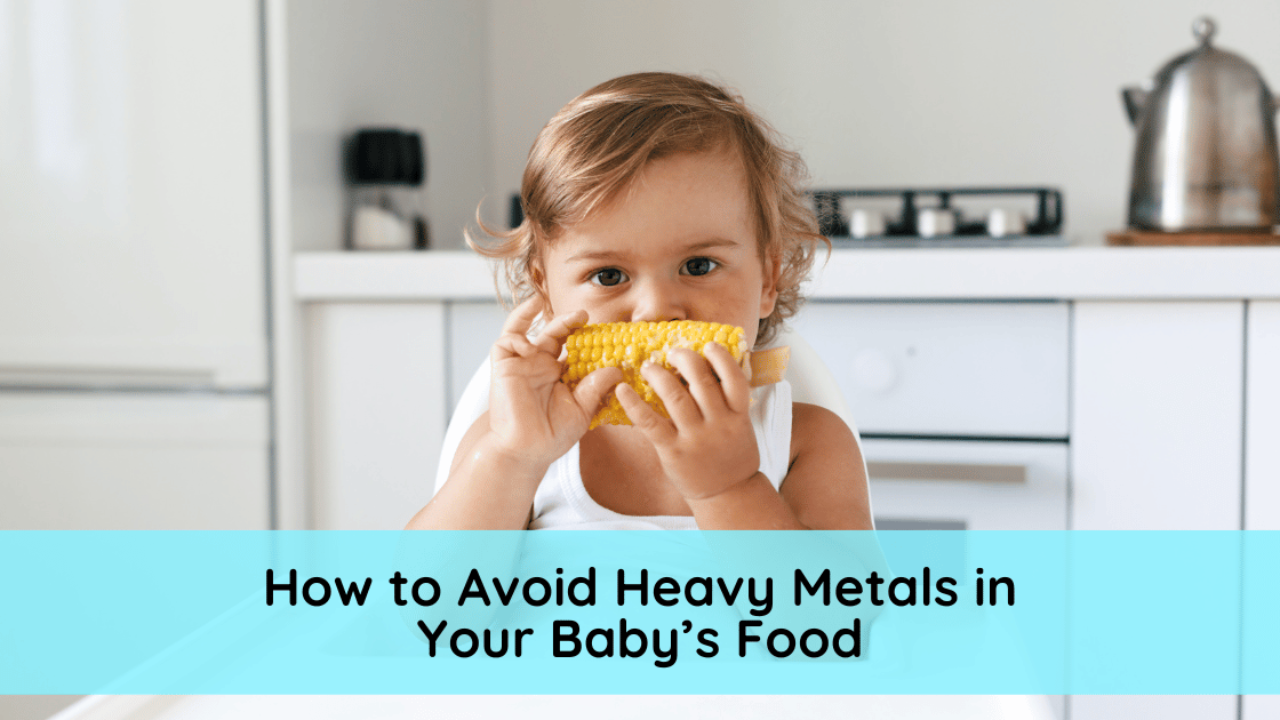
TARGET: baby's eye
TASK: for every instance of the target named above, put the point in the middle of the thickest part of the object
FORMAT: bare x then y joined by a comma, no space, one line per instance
608,277
700,266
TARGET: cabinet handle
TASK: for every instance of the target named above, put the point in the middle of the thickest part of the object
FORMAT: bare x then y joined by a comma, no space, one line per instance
44,376
964,472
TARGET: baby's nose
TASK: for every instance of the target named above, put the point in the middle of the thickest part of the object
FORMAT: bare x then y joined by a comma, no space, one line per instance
656,302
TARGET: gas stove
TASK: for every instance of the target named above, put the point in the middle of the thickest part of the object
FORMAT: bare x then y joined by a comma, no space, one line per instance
941,217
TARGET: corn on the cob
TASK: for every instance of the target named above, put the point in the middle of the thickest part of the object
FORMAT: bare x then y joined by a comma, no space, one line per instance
628,345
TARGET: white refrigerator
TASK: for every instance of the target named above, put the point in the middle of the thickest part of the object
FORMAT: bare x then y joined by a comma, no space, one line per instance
134,384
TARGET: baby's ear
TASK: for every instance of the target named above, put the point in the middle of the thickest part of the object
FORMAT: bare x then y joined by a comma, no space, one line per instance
538,280
769,289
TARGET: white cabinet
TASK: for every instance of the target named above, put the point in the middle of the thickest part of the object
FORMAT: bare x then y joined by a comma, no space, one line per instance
1262,459
133,461
473,329
131,235
383,381
133,326
1156,433
378,411
1157,422
1262,418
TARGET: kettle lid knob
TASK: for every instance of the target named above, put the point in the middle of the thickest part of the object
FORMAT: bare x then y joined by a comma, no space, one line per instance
1204,29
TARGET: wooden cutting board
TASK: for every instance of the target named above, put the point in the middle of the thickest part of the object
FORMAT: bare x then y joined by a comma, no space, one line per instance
1151,237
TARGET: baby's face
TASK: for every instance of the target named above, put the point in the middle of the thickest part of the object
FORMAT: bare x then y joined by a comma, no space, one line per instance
679,244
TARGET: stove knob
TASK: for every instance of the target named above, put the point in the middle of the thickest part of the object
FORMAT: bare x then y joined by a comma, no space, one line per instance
865,223
935,221
1001,222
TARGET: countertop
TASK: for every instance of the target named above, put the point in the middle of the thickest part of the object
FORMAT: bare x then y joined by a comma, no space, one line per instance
1066,273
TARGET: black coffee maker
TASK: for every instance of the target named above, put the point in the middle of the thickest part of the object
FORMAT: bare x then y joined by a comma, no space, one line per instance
386,172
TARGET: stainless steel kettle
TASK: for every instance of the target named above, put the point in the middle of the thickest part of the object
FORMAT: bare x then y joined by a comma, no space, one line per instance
1205,156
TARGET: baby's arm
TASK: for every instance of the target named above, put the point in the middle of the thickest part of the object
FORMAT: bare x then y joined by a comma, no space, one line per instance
825,487
532,420
485,490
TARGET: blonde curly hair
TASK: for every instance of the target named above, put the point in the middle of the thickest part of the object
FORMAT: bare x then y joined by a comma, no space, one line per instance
596,145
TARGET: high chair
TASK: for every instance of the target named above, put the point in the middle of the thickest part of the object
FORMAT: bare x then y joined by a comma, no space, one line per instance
811,382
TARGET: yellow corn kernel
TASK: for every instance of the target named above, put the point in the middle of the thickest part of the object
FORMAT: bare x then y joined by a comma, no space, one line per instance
628,345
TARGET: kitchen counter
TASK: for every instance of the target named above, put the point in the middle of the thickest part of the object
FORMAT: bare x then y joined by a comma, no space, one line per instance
1070,273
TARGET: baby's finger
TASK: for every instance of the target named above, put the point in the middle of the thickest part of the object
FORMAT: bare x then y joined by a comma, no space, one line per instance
680,404
521,318
733,382
591,391
553,335
512,345
702,381
658,429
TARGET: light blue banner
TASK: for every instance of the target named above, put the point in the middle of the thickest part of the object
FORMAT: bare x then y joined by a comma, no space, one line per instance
639,612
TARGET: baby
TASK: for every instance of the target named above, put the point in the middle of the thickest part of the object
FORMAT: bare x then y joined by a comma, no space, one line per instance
654,197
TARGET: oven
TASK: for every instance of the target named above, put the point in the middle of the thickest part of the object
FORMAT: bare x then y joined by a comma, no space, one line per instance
963,413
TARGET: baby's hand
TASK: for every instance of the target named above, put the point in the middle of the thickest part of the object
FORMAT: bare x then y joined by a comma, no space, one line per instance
708,445
533,417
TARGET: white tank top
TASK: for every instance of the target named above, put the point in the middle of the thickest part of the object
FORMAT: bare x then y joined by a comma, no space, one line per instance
562,501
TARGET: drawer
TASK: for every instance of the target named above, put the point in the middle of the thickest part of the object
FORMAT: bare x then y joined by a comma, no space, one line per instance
949,369
133,461
967,484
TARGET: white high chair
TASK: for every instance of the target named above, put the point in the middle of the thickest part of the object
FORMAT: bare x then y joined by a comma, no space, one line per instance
811,382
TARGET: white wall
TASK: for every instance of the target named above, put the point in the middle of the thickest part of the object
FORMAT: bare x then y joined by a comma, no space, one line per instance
415,65
876,93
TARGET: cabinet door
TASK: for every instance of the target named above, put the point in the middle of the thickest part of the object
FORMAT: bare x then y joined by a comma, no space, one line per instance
1156,434
133,461
131,201
1262,418
473,329
1262,460
1157,421
378,413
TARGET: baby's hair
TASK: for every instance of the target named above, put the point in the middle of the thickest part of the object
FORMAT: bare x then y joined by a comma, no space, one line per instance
597,144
